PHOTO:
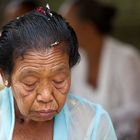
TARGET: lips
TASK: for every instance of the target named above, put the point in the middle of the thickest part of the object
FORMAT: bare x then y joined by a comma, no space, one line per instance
45,113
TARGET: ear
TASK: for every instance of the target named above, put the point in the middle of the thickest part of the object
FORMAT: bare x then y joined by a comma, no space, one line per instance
5,78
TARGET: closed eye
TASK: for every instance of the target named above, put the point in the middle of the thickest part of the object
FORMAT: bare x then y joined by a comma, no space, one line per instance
58,82
30,86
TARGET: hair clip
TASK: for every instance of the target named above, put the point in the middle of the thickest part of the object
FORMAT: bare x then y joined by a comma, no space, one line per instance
55,43
41,10
48,9
17,18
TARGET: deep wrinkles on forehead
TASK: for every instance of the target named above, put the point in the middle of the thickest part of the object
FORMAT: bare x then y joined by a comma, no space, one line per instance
47,57
53,57
60,47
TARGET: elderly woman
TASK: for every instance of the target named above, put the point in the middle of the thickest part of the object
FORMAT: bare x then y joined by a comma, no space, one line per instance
37,52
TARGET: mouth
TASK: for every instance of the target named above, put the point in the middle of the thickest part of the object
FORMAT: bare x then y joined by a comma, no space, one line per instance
45,114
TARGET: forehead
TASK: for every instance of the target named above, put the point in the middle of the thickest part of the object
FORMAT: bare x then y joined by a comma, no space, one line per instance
43,60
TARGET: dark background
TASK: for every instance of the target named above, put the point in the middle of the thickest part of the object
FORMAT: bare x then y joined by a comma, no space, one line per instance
126,24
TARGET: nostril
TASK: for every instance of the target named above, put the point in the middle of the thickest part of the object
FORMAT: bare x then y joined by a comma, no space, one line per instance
43,99
48,101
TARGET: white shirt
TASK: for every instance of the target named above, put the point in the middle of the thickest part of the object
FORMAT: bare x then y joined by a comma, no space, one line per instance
118,82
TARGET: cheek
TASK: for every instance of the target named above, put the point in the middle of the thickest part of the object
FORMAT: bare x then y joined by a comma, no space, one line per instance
23,103
61,94
60,98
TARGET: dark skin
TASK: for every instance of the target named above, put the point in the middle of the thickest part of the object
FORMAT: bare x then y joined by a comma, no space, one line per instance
33,130
40,83
90,39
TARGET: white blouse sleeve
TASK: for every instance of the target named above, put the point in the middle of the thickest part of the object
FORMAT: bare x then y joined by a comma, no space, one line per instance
129,85
104,129
89,121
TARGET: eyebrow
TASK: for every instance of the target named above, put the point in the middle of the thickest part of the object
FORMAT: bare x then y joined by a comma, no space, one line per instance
59,68
28,72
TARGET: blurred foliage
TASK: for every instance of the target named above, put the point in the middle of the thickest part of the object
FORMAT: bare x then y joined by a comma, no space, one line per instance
54,4
127,22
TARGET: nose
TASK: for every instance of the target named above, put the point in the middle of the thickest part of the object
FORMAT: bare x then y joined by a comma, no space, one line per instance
44,93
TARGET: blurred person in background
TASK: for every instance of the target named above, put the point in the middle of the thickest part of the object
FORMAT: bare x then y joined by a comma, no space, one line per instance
109,71
18,7
14,9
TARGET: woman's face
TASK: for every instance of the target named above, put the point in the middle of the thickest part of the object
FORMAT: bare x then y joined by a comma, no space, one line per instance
40,83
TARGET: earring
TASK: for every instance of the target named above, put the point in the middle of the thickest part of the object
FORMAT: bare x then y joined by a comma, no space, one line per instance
6,83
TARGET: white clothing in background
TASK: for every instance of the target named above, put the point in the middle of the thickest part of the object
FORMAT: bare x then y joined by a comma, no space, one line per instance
118,82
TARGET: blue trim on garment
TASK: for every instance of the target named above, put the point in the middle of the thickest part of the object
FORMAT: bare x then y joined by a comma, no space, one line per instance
60,125
12,112
60,121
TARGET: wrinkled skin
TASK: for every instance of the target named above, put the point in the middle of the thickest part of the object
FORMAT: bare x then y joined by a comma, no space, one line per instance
40,83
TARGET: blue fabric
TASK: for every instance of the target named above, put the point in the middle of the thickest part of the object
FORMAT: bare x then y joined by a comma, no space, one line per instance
7,118
67,124
60,127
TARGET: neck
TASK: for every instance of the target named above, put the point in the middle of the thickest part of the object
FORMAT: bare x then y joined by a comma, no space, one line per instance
28,128
94,56
95,46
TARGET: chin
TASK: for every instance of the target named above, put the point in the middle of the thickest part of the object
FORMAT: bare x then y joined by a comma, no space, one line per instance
42,119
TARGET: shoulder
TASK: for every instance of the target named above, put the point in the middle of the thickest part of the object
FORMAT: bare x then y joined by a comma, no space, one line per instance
122,53
83,106
5,96
119,46
2,94
91,119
